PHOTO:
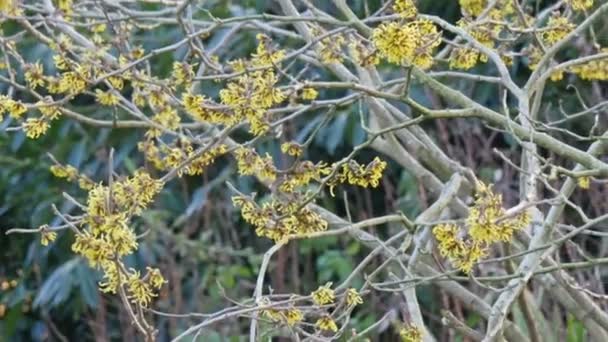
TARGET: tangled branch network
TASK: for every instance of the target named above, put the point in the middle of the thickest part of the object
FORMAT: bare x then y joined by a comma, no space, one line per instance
513,254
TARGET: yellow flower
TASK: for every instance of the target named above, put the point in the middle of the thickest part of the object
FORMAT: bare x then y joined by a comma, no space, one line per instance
323,295
96,251
326,323
293,316
61,62
139,291
487,223
98,28
47,110
46,235
557,75
265,54
167,118
291,148
35,127
67,171
593,70
65,6
155,279
106,98
580,5
395,41
111,277
473,7
473,253
584,182
406,44
356,174
557,29
85,183
450,245
10,7
464,58
330,48
486,220
121,237
405,8
16,109
309,93
411,333
353,298
272,314
116,82
6,5
134,194
34,75
182,73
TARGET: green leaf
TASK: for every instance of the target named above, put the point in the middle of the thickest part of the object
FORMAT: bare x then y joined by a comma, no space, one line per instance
576,330
57,287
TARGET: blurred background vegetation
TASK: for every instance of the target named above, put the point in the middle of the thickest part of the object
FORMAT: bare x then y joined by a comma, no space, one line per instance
194,234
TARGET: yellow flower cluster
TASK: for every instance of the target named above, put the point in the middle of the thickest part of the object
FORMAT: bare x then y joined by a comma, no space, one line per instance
201,109
16,109
108,237
486,224
49,111
465,57
302,174
35,127
46,235
253,93
411,333
278,221
140,291
405,8
557,28
292,149
250,163
65,6
107,98
167,118
265,54
584,182
326,323
309,93
323,295
6,5
580,5
198,165
329,48
596,70
182,73
353,297
172,157
135,193
71,174
71,82
486,33
354,173
291,316
34,75
407,43
473,7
